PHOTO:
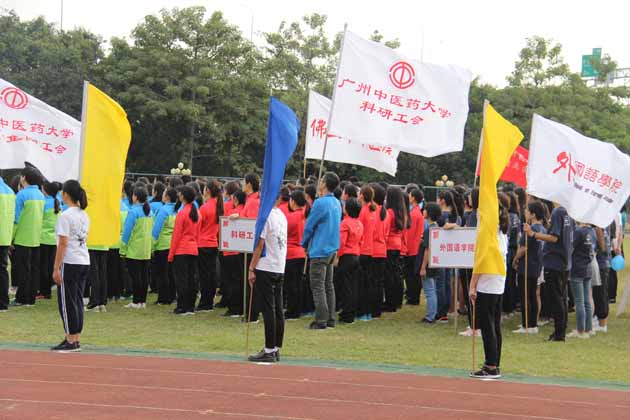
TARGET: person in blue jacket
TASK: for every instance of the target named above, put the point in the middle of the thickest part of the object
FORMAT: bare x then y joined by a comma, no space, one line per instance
162,232
322,238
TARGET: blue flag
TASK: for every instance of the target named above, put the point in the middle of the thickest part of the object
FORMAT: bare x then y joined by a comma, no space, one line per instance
282,137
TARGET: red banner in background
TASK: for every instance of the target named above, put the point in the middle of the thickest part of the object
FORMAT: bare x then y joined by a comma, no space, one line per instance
516,170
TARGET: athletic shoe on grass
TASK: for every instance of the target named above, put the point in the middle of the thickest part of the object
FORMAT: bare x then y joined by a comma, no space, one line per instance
316,326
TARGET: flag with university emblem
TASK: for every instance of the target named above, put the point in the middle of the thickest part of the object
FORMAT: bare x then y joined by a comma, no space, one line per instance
381,158
382,98
590,178
33,131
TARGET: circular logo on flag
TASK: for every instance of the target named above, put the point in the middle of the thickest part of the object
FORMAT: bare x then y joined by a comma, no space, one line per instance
402,75
14,98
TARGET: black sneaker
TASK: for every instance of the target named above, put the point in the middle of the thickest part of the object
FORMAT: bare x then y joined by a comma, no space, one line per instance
331,324
277,353
60,345
66,347
263,357
204,308
16,303
427,321
316,326
486,373
179,311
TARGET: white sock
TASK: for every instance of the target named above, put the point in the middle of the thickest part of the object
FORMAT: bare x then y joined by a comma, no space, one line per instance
270,350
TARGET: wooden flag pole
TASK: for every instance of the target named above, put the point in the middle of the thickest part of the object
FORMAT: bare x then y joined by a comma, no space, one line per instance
332,106
474,327
249,316
526,291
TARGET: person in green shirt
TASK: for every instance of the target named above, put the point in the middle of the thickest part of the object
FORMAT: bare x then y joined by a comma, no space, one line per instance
115,268
7,215
27,233
48,246
137,240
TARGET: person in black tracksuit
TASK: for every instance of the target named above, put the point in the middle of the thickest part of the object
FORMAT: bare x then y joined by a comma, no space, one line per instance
72,264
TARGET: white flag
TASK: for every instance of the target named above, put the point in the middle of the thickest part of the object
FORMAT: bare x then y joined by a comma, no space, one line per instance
381,158
587,176
382,98
33,131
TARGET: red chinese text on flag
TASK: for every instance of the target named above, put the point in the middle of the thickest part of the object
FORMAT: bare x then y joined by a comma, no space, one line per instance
516,170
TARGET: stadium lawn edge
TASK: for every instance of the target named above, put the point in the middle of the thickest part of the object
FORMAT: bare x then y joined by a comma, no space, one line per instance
349,365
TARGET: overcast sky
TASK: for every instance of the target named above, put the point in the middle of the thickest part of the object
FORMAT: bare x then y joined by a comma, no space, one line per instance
484,36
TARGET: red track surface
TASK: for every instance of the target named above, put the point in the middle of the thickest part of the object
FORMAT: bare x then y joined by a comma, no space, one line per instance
37,385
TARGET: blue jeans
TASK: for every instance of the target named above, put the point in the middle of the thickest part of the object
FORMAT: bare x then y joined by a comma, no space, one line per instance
431,296
443,287
581,289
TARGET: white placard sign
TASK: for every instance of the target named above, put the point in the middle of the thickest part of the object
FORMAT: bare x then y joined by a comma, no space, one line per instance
236,235
452,248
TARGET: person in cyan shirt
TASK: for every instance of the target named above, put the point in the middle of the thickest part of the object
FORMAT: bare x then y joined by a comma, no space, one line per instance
52,209
162,233
27,236
321,238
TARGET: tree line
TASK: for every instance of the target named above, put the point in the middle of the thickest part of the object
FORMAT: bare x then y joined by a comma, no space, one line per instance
196,90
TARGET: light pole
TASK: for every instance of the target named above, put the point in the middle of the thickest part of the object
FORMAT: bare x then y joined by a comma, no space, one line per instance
61,25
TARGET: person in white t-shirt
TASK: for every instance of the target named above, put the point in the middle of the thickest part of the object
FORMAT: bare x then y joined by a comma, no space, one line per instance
267,272
72,264
486,291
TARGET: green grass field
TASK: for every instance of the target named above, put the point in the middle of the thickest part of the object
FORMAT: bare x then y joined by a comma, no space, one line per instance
396,339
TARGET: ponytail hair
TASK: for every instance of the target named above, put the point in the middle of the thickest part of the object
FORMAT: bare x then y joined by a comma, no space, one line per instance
171,194
299,197
379,198
142,196
215,190
77,194
52,188
368,196
188,193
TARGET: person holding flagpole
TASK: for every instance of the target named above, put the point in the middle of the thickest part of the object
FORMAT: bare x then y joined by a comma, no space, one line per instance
267,273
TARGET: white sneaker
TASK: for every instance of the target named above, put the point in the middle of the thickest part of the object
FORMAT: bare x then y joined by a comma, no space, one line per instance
477,333
592,333
533,330
543,322
133,305
102,308
603,329
521,330
143,306
86,301
468,332
576,334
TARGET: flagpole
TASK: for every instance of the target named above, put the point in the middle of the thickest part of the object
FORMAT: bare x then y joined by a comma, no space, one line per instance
332,106
485,104
86,84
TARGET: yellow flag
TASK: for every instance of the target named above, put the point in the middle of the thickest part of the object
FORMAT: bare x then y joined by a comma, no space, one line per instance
105,142
500,139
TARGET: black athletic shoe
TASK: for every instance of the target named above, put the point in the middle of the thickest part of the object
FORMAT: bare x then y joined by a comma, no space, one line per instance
331,324
204,308
263,357
316,326
277,353
179,311
486,373
230,314
427,321
66,347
